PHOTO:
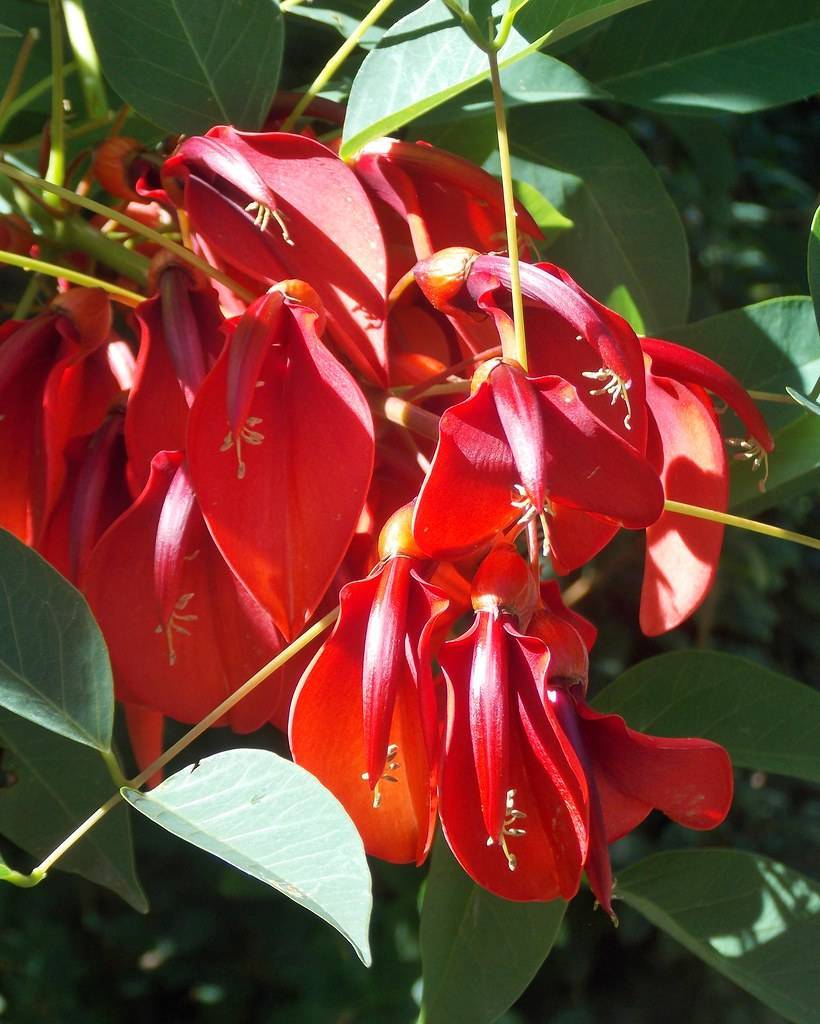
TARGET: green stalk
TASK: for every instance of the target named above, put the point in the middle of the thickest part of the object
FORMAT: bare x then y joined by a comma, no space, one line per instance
56,156
518,350
17,72
91,80
726,519
335,62
13,259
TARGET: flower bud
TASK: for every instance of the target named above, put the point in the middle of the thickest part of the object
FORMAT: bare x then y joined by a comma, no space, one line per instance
397,538
504,581
442,276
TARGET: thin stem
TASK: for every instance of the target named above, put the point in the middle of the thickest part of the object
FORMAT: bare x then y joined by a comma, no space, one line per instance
17,72
91,80
771,396
123,295
519,349
168,755
335,62
133,225
56,157
744,524
23,101
114,770
404,414
468,23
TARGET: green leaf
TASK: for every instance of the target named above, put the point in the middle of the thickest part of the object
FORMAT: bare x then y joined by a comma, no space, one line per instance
189,64
273,820
551,221
538,78
739,56
478,951
54,667
813,263
765,720
752,919
803,400
627,233
767,346
52,785
426,59
794,469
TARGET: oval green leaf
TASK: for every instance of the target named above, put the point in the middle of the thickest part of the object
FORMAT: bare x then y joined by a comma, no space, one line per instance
628,237
751,918
273,820
427,58
54,667
741,57
765,720
478,951
186,65
51,786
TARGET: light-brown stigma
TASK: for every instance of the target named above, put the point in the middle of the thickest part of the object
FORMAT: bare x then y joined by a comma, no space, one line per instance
387,775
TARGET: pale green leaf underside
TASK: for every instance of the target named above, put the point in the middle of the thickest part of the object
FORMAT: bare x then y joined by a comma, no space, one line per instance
276,822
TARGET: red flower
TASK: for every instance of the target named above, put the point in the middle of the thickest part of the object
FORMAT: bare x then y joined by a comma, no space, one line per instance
627,773
281,447
182,630
513,798
284,206
364,718
522,446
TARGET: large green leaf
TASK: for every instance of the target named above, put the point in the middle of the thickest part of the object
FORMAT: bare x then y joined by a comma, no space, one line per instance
426,59
54,667
627,235
767,346
189,64
52,786
765,720
738,55
813,263
752,919
478,951
271,819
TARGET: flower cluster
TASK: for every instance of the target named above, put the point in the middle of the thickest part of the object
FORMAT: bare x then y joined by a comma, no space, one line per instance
221,466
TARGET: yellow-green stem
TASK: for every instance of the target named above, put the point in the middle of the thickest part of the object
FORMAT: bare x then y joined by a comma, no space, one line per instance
114,770
410,416
771,396
24,100
519,349
56,156
335,62
744,524
123,295
91,80
282,658
17,72
133,225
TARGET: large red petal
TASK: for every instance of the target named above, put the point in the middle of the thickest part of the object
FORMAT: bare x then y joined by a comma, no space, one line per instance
327,737
690,780
282,501
682,552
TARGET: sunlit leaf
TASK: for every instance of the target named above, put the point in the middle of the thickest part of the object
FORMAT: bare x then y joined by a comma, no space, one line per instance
51,786
736,56
273,820
752,919
426,59
478,951
813,263
189,64
765,720
54,667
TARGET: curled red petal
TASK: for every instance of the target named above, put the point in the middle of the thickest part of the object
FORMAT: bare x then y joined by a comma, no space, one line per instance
689,367
519,411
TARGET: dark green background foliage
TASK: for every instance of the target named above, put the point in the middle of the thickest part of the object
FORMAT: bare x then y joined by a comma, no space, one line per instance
219,947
